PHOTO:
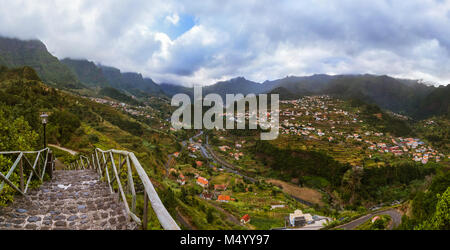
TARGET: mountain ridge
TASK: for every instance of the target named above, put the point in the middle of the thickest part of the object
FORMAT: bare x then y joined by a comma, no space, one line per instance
34,53
404,96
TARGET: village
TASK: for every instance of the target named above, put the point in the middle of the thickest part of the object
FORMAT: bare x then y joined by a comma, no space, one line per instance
132,110
320,118
256,206
145,112
313,119
322,122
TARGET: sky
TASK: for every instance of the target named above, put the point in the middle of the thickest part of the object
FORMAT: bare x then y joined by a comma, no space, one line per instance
202,42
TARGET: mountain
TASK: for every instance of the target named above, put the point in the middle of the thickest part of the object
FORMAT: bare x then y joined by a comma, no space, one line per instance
93,75
238,85
398,95
285,94
404,96
171,89
436,103
87,72
387,92
33,53
118,95
301,85
130,81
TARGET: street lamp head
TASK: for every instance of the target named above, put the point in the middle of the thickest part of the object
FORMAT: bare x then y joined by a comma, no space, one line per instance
44,117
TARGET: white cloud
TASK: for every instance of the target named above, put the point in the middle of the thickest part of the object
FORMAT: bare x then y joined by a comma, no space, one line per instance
173,19
256,39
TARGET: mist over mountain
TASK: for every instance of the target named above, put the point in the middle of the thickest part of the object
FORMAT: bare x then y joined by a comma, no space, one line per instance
87,72
409,97
173,89
405,96
34,53
129,81
236,85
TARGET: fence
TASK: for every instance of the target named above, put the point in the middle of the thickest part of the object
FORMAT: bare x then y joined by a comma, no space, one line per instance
43,161
104,162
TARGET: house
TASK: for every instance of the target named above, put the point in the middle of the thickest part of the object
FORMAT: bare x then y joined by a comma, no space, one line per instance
298,218
206,196
276,206
176,154
199,163
220,187
298,222
245,219
181,179
224,198
202,182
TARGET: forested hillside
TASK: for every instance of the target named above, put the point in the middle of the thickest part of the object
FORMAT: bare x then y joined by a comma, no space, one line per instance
87,72
75,122
33,53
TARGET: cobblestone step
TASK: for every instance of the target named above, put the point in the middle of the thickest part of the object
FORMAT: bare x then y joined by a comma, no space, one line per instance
73,200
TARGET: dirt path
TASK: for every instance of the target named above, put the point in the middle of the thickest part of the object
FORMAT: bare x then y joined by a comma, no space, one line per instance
306,194
72,152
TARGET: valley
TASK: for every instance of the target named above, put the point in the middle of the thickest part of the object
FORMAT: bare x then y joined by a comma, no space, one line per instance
345,149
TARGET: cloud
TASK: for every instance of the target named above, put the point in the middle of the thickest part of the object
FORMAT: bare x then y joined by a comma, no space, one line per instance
201,42
173,19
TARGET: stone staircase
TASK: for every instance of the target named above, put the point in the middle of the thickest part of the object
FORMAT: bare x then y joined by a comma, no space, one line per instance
72,200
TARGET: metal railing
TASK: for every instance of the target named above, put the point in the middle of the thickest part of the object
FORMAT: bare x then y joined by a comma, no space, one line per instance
43,161
104,162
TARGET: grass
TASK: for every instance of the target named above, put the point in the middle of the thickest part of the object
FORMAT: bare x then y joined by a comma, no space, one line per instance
266,223
380,224
307,194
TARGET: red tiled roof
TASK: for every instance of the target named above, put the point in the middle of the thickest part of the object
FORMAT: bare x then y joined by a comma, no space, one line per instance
223,198
217,186
246,217
202,180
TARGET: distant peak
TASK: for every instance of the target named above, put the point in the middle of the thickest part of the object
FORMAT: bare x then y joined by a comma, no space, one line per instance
239,78
29,44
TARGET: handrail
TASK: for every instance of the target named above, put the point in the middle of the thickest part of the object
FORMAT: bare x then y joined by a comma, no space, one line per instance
43,158
104,162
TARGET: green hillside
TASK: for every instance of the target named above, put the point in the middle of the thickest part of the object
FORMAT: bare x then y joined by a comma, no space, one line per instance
87,72
33,53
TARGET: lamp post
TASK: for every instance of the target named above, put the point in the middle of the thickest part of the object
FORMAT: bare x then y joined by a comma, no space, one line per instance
50,163
44,117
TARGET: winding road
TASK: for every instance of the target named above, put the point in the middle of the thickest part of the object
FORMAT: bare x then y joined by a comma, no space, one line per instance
395,215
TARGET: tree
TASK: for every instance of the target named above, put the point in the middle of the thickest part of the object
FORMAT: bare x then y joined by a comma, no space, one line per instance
63,124
441,218
15,133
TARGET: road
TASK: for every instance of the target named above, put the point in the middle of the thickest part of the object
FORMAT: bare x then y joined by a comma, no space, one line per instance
72,152
395,215
208,153
224,165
